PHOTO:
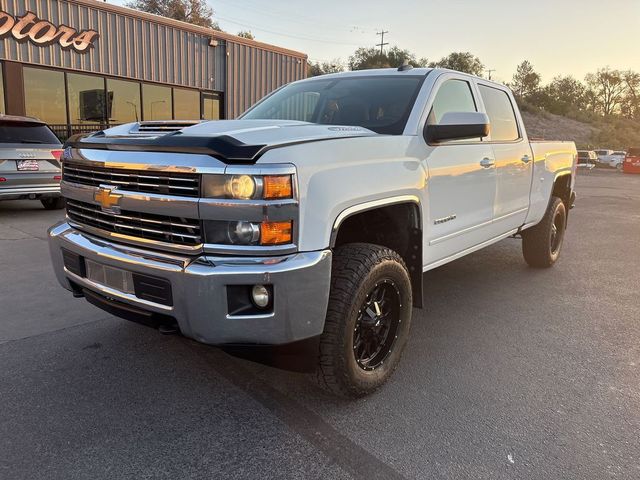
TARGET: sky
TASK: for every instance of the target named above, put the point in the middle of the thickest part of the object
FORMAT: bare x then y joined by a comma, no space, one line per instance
558,37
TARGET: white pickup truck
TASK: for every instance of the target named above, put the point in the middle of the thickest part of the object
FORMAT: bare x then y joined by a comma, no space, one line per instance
299,233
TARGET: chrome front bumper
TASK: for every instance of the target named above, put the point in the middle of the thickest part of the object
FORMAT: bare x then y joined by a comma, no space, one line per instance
199,288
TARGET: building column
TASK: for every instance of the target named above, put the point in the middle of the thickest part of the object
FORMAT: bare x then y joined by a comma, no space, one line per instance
14,88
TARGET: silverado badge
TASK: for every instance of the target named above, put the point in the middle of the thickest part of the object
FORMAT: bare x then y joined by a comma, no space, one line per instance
107,199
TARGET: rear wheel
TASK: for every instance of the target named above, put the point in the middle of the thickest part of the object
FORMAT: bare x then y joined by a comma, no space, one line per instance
542,243
368,319
52,203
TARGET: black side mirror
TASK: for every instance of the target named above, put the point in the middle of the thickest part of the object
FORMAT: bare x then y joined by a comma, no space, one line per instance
458,126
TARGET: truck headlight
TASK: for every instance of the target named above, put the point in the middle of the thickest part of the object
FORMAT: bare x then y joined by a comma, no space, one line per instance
248,187
248,233
240,186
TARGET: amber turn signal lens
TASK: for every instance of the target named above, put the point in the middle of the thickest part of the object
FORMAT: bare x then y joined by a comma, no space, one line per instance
277,186
276,233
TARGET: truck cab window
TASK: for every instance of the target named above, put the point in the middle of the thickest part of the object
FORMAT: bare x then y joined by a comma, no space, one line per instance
504,127
453,96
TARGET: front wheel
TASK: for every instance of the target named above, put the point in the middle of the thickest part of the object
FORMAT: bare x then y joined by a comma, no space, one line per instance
368,319
541,244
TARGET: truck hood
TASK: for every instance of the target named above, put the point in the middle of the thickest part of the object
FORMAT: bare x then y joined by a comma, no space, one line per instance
227,140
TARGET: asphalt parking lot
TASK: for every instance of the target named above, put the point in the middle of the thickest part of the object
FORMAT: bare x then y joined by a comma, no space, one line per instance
510,373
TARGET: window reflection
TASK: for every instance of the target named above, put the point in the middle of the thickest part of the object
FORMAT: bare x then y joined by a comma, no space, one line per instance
44,95
186,104
2,108
156,102
210,107
125,101
87,102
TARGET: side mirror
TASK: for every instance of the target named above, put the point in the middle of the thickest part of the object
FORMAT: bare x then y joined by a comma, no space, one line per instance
458,126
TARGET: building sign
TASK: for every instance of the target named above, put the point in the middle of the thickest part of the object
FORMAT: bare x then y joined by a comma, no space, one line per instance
40,32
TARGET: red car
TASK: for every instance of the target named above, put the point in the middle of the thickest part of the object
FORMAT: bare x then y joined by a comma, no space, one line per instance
632,161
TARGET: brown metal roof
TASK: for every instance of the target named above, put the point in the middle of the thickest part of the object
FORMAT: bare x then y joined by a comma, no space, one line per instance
188,27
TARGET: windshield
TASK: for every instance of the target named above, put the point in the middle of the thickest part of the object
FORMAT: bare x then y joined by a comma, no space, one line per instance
26,132
381,104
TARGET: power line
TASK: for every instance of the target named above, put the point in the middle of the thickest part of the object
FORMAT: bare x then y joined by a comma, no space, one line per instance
489,71
298,20
382,43
299,37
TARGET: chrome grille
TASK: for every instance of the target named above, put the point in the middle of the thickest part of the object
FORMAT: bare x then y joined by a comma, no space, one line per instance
183,231
182,184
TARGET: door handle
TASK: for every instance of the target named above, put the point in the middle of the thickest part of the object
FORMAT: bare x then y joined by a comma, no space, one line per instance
526,159
487,162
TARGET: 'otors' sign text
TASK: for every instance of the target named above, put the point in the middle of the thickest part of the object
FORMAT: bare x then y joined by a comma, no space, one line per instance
30,28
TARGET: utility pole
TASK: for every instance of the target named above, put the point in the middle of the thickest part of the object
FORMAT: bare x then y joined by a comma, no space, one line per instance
489,71
382,44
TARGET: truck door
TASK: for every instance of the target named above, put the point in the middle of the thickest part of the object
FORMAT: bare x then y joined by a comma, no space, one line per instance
462,179
514,159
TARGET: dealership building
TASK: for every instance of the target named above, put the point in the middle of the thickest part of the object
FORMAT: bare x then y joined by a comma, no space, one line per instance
82,65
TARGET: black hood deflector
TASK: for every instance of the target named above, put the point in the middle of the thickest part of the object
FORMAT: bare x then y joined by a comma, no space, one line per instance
222,147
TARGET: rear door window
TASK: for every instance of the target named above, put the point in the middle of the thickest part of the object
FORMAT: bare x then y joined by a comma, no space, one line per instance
504,127
27,133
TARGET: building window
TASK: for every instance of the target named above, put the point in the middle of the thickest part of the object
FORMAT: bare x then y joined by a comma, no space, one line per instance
186,104
156,102
210,106
87,105
44,95
124,101
2,107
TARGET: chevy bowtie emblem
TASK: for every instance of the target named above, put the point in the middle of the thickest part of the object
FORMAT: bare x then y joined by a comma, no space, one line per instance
107,199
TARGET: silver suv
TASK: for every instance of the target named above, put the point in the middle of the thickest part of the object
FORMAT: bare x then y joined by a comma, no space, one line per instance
29,161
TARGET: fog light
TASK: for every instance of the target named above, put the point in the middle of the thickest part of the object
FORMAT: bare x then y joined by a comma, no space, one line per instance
260,296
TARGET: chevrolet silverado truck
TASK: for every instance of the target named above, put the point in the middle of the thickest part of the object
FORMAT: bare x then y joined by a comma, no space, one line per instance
29,161
304,227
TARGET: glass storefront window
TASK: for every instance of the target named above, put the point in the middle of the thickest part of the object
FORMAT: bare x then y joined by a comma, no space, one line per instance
123,99
156,102
2,107
44,95
210,107
86,99
186,104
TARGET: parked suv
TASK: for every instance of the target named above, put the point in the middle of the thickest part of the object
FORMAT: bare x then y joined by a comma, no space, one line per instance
29,161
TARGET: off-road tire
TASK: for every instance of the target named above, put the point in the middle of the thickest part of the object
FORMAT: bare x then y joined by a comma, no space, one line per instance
356,270
51,203
539,247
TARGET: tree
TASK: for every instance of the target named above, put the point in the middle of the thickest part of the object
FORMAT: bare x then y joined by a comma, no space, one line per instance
526,81
246,34
196,12
462,62
316,68
630,106
365,58
565,94
608,88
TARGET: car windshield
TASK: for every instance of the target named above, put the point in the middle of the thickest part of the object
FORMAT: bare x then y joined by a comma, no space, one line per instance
381,104
26,132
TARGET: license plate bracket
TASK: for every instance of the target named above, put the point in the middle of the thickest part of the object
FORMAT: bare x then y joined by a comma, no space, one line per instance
112,277
27,165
